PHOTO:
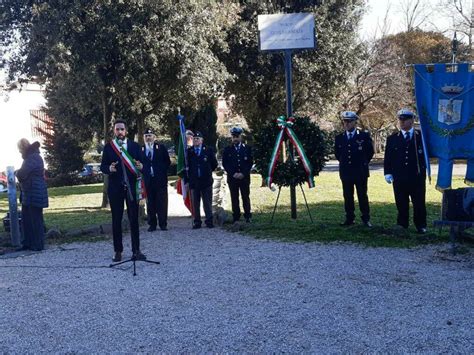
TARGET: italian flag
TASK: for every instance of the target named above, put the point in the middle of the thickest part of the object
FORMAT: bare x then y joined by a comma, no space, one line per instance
181,187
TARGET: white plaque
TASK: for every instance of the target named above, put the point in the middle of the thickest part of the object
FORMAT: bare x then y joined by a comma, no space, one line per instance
286,31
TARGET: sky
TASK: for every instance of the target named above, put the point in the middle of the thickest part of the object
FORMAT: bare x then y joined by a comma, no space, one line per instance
377,9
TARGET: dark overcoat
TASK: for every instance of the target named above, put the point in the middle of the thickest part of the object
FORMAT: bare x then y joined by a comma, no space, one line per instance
31,177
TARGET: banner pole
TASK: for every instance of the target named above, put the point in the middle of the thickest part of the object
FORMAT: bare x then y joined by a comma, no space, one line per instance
289,113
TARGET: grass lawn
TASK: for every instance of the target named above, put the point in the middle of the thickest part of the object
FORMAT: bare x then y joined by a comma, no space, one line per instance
70,207
76,207
327,209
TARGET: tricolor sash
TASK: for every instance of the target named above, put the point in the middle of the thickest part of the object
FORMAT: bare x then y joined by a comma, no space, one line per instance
130,165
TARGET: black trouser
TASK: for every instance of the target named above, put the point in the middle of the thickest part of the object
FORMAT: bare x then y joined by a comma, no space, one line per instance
32,224
206,194
157,203
414,189
236,185
116,198
348,191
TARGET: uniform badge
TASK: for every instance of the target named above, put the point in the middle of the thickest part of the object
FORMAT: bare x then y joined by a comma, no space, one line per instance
205,159
420,151
245,158
360,147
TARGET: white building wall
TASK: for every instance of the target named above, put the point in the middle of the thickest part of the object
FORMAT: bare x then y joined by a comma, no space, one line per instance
15,121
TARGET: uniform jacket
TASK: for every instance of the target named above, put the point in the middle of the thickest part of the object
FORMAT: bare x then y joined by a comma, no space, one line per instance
354,155
109,156
202,165
31,177
402,160
237,161
160,163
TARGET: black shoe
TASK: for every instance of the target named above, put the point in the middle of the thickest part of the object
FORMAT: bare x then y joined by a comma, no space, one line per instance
210,225
138,256
117,257
248,220
196,226
421,230
163,228
347,223
151,229
23,248
400,226
368,224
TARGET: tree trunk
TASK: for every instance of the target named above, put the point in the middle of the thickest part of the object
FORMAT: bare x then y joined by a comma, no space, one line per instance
376,139
107,114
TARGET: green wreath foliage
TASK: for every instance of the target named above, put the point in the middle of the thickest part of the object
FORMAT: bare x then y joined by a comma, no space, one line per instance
316,144
445,132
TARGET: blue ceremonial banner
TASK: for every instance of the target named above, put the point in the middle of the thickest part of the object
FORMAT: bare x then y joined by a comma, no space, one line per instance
445,104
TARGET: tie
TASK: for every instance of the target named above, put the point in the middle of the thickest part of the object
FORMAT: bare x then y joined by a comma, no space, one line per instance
149,155
237,147
197,150
351,134
407,137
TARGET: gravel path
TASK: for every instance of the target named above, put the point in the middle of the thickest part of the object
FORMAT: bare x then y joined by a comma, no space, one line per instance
217,291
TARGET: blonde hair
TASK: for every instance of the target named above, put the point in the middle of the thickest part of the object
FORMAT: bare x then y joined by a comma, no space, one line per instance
23,144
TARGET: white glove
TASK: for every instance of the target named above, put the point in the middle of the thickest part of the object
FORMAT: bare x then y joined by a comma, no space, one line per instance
389,178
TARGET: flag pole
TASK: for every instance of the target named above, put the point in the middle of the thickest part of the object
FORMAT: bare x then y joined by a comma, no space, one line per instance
184,186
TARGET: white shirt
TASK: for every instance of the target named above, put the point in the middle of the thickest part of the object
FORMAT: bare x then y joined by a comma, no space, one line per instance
124,143
149,149
410,132
351,133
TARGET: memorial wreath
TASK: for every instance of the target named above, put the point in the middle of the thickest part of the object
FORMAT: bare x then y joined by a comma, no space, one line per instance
273,155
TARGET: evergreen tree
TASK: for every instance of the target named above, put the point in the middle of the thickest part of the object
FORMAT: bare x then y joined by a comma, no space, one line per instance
205,121
318,75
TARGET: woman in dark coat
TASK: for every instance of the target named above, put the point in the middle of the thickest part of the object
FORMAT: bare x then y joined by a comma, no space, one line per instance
33,196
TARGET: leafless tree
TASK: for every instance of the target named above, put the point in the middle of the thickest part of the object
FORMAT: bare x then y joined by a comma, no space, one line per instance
379,86
461,17
416,14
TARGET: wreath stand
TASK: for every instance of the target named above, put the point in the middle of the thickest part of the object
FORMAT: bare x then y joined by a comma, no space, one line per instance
305,201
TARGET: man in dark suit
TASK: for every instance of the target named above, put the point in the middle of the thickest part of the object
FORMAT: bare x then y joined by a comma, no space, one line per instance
156,162
354,150
237,161
121,162
202,162
405,167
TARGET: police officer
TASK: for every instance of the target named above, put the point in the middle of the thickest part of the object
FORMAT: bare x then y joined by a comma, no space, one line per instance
202,162
237,161
156,162
354,150
404,166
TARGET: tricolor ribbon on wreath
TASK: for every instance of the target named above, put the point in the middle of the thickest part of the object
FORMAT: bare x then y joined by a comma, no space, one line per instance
286,130
130,165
